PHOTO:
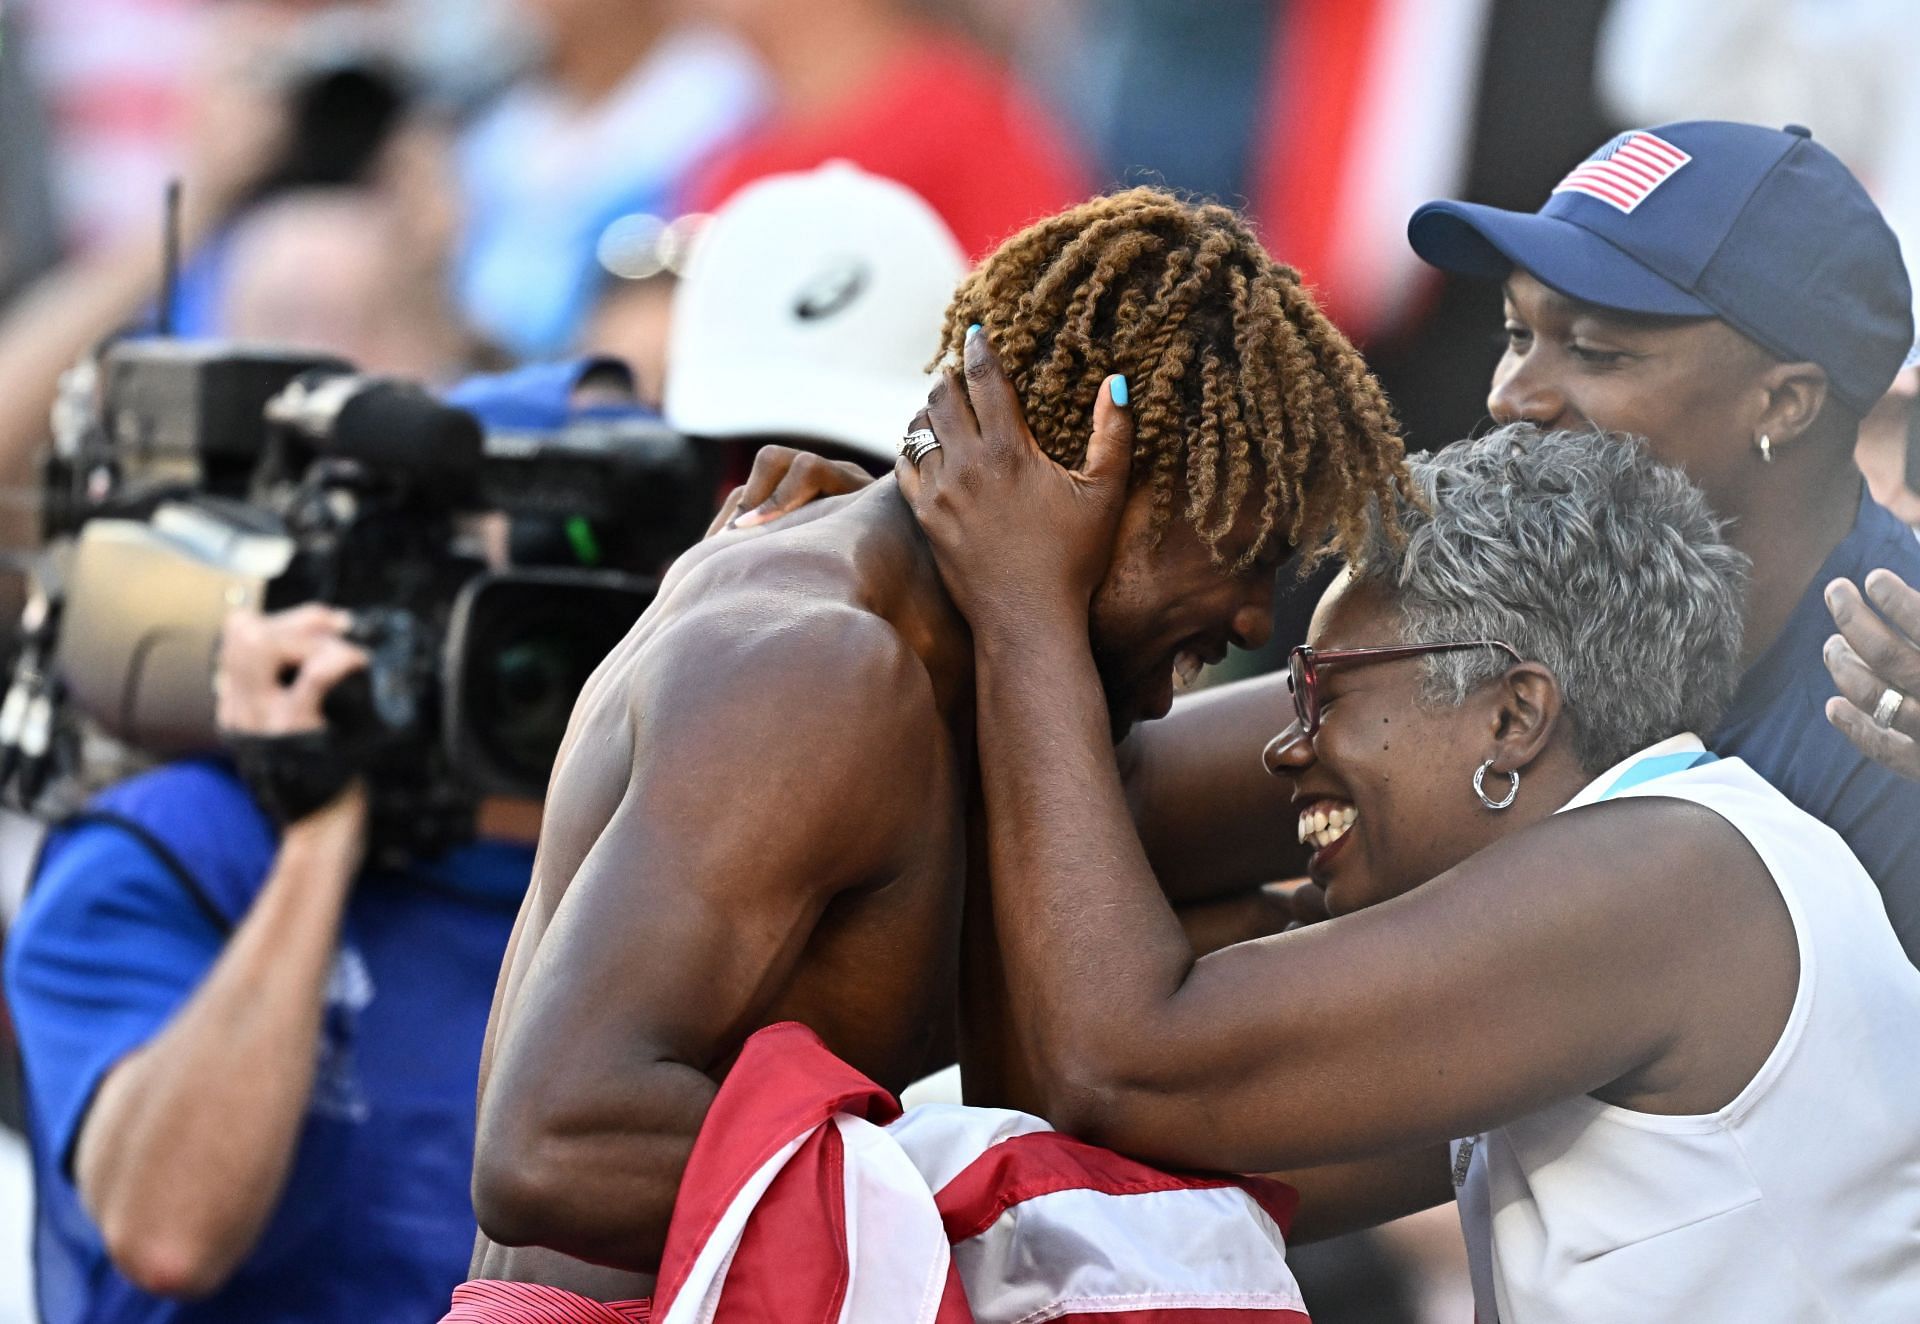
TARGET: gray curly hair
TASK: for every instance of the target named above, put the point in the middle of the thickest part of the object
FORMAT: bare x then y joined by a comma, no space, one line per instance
1586,556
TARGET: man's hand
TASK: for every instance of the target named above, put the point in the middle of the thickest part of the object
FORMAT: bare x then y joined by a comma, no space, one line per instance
1013,532
275,671
1875,652
271,680
782,481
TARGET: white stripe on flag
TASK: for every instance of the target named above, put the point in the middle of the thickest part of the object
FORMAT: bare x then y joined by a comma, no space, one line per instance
897,1251
1161,1250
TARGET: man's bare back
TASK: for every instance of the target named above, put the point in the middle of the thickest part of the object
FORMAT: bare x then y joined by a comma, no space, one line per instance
759,814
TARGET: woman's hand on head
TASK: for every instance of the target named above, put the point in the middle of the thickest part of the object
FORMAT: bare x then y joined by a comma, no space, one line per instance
1875,652
783,480
1016,536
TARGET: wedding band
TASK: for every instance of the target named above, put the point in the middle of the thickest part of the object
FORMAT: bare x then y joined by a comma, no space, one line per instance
918,444
1888,708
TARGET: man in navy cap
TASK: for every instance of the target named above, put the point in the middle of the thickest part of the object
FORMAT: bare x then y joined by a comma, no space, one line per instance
1730,293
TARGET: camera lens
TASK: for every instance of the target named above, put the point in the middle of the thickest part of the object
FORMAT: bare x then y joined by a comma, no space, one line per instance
529,687
529,649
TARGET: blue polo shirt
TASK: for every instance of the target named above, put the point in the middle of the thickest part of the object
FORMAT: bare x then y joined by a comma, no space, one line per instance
1778,724
128,913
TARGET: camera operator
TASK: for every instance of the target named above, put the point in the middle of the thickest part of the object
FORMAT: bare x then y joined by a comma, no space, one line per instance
249,1057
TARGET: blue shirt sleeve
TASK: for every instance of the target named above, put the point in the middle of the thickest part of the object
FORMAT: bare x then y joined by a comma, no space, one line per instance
107,948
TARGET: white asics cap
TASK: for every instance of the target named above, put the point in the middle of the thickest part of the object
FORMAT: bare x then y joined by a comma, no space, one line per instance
810,307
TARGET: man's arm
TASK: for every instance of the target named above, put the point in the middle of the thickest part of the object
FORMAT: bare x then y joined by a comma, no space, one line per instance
687,916
187,1146
181,1154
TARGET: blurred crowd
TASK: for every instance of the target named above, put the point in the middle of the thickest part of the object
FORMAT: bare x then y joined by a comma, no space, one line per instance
434,189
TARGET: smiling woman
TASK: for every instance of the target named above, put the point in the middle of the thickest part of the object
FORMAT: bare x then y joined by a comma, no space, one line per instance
1559,553
1634,978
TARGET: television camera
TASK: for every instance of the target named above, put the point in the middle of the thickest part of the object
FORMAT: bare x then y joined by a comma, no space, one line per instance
191,478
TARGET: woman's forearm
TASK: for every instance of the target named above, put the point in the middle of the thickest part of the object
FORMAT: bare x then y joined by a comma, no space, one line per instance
1089,943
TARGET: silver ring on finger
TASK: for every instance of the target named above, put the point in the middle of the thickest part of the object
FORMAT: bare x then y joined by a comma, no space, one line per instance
918,444
1888,708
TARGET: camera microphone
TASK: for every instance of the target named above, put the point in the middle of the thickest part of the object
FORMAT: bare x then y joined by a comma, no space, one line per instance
382,422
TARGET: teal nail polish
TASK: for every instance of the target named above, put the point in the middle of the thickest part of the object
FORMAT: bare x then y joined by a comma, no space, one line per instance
1118,390
973,331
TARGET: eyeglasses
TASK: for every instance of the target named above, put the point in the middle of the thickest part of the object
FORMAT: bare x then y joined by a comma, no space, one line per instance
1304,666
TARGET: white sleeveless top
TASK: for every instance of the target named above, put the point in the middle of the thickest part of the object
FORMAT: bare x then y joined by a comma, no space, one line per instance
1798,1201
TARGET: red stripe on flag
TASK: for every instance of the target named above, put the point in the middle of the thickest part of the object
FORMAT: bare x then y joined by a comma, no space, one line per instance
1648,154
1654,167
797,1085
791,1263
1639,172
1613,194
1613,179
1660,147
1044,1163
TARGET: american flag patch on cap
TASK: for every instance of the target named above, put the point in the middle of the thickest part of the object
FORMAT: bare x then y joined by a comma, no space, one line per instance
1624,172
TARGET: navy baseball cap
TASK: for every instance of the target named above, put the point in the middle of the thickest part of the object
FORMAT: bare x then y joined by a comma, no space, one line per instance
1762,228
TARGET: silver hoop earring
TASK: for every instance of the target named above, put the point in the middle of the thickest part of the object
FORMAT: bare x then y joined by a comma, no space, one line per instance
1765,447
1480,787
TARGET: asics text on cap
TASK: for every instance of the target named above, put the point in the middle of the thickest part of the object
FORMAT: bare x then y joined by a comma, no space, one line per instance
1762,228
811,306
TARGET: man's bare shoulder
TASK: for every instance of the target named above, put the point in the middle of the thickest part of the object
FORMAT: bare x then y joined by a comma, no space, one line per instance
745,643
788,613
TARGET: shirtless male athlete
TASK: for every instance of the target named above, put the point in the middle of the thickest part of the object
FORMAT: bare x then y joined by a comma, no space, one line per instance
763,808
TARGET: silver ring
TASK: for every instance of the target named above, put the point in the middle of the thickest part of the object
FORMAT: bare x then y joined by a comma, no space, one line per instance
918,444
1888,708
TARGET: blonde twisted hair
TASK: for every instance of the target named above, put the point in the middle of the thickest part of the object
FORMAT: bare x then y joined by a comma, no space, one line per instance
1239,382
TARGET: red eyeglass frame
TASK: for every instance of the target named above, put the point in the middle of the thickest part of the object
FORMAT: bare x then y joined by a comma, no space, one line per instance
1304,663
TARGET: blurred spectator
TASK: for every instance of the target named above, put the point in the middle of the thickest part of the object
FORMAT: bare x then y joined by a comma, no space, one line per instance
113,73
1887,454
29,241
869,82
811,308
1368,113
631,321
1843,67
239,132
1157,96
1530,108
643,257
623,104
382,305
283,97
120,80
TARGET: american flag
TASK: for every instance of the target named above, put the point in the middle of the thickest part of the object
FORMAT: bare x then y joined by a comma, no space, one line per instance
1624,172
809,1196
